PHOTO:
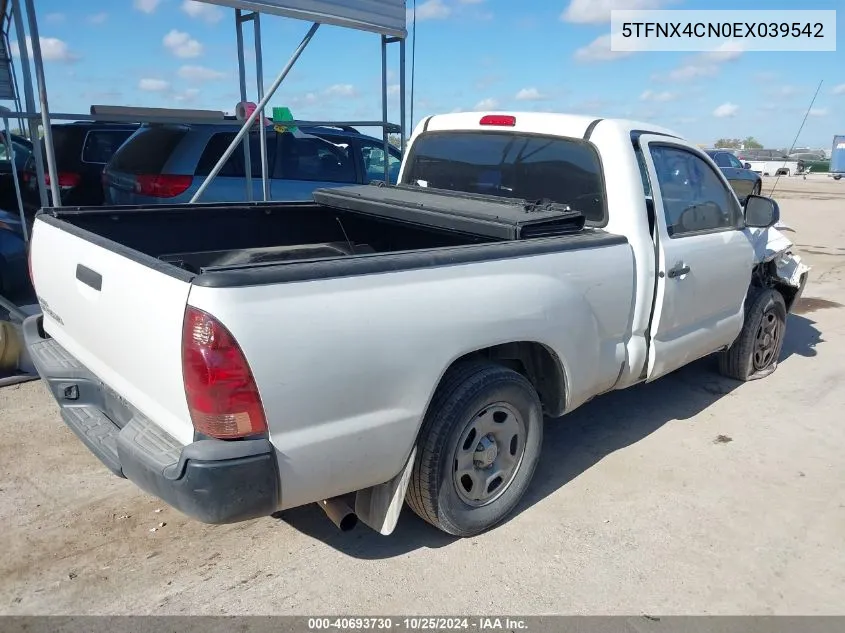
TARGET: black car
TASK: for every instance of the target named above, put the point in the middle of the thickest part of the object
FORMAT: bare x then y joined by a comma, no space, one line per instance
22,149
744,181
82,149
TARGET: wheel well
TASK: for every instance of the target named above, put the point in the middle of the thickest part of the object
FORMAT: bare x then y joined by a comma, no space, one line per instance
537,363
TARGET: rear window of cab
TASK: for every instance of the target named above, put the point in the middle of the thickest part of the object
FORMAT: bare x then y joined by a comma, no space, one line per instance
525,166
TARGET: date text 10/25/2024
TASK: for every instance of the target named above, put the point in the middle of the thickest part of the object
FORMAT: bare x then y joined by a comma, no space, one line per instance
480,623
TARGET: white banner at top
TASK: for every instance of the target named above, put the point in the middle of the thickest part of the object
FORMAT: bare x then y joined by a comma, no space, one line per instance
379,16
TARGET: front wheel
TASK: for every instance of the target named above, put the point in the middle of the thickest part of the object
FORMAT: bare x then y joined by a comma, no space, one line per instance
755,352
478,448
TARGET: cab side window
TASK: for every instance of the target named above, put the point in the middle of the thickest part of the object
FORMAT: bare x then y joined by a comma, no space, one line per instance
695,200
722,159
373,157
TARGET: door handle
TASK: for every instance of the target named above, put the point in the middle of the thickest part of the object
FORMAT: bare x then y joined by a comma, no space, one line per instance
679,271
89,277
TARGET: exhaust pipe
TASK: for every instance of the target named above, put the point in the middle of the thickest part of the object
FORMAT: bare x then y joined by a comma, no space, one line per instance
340,513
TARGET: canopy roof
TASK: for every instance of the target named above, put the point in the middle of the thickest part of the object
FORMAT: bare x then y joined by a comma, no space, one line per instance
379,16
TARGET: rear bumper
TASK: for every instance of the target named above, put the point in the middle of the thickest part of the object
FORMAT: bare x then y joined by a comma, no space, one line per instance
213,481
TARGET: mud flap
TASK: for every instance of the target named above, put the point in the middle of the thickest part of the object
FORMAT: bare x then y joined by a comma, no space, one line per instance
379,507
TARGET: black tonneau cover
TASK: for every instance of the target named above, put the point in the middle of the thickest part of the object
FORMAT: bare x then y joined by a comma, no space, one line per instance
488,216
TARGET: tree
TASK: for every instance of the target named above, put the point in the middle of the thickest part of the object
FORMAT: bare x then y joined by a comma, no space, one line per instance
735,143
395,140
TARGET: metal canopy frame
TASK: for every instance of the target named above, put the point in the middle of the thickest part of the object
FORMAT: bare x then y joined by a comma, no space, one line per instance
390,33
385,17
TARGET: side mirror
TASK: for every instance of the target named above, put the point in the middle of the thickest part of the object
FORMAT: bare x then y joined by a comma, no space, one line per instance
761,212
747,165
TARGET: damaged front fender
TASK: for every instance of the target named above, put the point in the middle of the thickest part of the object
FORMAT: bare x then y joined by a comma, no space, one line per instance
791,270
777,265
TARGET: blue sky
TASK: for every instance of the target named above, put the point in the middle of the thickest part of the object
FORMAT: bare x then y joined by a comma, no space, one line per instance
470,54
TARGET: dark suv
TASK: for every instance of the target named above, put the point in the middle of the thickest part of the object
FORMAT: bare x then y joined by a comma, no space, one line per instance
82,150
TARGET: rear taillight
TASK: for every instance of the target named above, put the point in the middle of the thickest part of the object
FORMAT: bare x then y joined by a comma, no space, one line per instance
222,395
498,119
66,179
162,185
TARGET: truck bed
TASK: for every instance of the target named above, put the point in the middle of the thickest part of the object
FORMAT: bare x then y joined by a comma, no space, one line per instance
341,223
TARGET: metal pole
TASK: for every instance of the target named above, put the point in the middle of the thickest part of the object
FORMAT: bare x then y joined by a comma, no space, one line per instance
402,94
45,110
10,149
239,29
259,74
261,105
13,73
30,101
385,133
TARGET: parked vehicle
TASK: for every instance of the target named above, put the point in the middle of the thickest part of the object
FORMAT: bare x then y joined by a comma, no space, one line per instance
769,162
22,148
403,342
167,164
744,181
82,149
811,162
13,269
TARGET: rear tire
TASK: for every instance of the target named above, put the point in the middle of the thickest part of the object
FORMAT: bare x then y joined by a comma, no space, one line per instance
755,352
478,448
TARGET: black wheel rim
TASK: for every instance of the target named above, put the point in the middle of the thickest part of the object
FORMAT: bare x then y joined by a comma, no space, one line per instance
767,341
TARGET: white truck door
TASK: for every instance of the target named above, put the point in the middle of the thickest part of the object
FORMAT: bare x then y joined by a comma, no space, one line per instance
704,258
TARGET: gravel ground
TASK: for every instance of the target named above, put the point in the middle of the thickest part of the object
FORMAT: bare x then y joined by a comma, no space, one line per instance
691,495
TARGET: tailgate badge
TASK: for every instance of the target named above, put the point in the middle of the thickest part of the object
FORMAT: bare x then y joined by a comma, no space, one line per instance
45,308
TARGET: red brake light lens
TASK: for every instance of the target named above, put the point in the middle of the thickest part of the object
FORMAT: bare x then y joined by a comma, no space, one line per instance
162,185
498,119
66,179
222,395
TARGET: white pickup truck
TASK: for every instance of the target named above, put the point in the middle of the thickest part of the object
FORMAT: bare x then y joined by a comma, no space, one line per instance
402,343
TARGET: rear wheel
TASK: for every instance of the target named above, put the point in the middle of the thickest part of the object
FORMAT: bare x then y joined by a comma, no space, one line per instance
755,352
479,446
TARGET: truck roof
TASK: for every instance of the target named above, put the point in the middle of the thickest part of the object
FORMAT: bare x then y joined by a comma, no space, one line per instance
558,124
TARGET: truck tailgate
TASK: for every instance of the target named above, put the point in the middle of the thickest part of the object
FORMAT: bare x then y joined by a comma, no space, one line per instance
119,317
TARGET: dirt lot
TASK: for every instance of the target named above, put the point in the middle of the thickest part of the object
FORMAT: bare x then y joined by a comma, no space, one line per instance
689,495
